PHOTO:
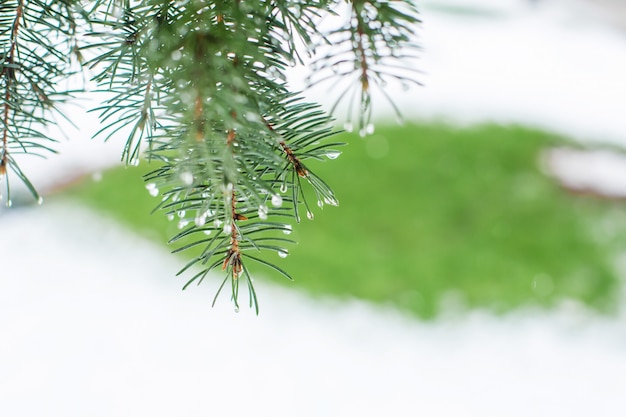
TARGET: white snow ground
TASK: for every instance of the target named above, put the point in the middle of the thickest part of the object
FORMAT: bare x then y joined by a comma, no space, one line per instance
92,322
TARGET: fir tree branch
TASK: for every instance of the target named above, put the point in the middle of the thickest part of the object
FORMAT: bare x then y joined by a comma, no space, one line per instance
37,35
200,86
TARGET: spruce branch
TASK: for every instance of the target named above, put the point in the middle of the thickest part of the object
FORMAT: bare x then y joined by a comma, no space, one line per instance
198,87
35,36
375,46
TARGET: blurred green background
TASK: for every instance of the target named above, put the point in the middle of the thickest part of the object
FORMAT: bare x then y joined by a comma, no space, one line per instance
428,214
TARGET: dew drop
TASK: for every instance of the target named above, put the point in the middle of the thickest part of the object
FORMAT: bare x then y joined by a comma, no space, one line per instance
283,253
283,188
170,217
228,228
134,162
217,222
236,309
97,176
187,178
207,232
9,203
370,128
182,224
181,213
277,200
309,215
263,210
320,203
333,154
200,220
331,201
176,55
40,200
362,132
287,230
209,213
348,127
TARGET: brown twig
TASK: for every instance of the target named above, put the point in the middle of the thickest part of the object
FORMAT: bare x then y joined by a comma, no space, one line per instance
233,256
291,157
9,73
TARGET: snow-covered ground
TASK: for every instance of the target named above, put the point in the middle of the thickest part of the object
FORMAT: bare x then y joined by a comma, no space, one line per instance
92,322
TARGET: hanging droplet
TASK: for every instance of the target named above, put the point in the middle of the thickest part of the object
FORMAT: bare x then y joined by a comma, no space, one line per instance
134,162
170,217
320,204
228,228
348,127
277,200
40,200
283,253
333,154
176,55
287,230
369,128
182,224
263,210
152,189
236,309
331,201
207,232
309,215
187,178
181,213
217,222
362,132
200,220
9,203
283,187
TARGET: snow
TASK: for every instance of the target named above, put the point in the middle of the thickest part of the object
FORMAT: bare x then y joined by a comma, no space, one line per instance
93,322
600,172
107,332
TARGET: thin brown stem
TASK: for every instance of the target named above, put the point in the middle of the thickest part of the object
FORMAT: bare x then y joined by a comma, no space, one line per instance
361,52
198,119
233,256
8,72
291,157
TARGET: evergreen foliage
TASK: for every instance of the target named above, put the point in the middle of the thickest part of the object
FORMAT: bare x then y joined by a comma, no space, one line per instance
200,87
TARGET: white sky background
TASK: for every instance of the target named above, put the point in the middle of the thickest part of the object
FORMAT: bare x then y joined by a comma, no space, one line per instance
93,324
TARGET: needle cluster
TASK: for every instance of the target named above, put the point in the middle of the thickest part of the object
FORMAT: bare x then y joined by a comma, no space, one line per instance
199,89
